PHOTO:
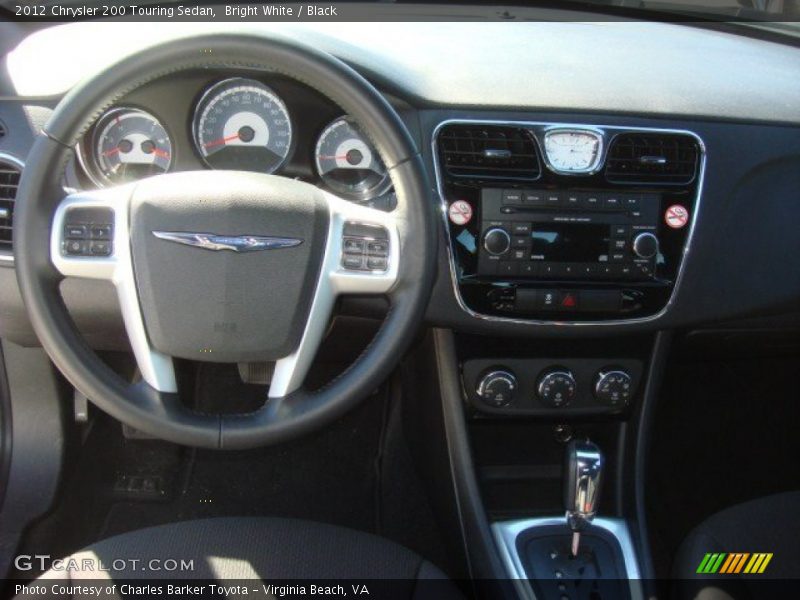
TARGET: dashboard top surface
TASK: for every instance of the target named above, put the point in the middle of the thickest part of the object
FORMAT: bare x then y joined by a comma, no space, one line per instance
620,67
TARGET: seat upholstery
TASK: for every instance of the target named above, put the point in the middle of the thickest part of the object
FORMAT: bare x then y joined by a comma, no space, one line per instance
269,549
770,524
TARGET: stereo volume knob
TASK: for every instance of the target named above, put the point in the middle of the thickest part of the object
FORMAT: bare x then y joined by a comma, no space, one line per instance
496,387
613,387
645,245
497,241
556,388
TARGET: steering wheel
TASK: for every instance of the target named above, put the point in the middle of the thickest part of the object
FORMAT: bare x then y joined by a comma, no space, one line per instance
223,265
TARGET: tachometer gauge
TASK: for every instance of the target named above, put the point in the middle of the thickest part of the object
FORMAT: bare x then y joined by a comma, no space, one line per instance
573,150
242,124
348,163
129,144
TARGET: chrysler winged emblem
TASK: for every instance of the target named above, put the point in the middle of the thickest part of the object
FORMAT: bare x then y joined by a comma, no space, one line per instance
234,243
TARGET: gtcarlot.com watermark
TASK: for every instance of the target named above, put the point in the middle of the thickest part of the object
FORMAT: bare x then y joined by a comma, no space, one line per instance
44,562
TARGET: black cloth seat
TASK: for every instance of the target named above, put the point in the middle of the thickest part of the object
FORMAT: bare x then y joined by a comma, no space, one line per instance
768,525
269,549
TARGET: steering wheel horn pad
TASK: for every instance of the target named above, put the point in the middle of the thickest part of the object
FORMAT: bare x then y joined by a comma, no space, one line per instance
181,297
226,262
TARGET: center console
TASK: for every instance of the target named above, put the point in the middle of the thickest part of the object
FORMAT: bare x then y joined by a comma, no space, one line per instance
550,222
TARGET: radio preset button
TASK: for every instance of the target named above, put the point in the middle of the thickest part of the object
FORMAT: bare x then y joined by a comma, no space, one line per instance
592,201
612,201
521,228
533,198
512,197
553,198
520,242
507,268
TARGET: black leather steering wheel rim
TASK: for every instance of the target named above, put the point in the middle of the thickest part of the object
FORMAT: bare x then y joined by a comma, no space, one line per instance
162,414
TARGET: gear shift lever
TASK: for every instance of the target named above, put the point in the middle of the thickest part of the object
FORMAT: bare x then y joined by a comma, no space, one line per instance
584,468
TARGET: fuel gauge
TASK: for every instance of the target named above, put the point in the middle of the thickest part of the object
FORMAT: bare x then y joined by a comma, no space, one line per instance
348,163
130,144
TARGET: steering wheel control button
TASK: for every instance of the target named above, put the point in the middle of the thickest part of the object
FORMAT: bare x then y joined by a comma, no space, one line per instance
100,248
353,246
353,262
496,388
556,388
365,247
75,247
76,232
88,232
613,387
379,248
101,232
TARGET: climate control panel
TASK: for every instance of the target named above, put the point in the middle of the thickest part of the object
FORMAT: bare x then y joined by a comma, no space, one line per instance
555,387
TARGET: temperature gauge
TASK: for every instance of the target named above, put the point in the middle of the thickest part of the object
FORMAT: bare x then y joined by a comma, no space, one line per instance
129,144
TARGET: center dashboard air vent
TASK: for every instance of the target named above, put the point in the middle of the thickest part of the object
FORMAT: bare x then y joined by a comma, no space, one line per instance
652,158
9,182
488,152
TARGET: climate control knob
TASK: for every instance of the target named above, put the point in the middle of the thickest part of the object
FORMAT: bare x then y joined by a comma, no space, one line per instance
496,388
556,388
645,245
613,387
497,241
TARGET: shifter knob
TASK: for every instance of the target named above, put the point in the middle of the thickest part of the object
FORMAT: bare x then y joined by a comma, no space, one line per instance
584,469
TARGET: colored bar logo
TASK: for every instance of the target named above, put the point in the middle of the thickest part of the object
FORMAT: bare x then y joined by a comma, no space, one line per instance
735,562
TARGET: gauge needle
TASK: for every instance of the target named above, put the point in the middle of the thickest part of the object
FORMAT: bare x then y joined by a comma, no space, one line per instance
220,141
333,157
110,152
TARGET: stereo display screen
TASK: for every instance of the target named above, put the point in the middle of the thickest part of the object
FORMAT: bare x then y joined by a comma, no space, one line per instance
569,242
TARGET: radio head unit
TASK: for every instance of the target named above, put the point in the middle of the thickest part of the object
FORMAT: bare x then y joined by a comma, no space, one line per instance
533,241
552,234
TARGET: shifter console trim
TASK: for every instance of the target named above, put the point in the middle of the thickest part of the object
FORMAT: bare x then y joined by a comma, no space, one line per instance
507,532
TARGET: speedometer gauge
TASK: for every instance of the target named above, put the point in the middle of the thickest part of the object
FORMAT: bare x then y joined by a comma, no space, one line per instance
242,124
348,163
129,144
572,151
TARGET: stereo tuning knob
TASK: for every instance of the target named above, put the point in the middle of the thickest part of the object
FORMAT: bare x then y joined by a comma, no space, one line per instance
496,387
645,245
497,241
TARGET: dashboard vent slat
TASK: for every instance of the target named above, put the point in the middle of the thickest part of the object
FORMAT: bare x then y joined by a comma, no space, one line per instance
652,158
9,182
488,152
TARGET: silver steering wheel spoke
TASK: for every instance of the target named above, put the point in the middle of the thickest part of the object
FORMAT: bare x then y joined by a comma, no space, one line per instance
90,239
361,257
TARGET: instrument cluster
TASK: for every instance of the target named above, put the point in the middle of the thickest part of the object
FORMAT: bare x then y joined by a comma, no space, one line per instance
236,123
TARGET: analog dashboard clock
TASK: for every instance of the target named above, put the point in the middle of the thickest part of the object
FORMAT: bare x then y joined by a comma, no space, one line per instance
573,151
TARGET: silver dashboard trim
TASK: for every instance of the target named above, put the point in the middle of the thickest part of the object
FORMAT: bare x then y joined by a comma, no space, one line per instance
609,131
506,533
8,258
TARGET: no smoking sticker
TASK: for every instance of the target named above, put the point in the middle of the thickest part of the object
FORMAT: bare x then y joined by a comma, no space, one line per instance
460,212
676,216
